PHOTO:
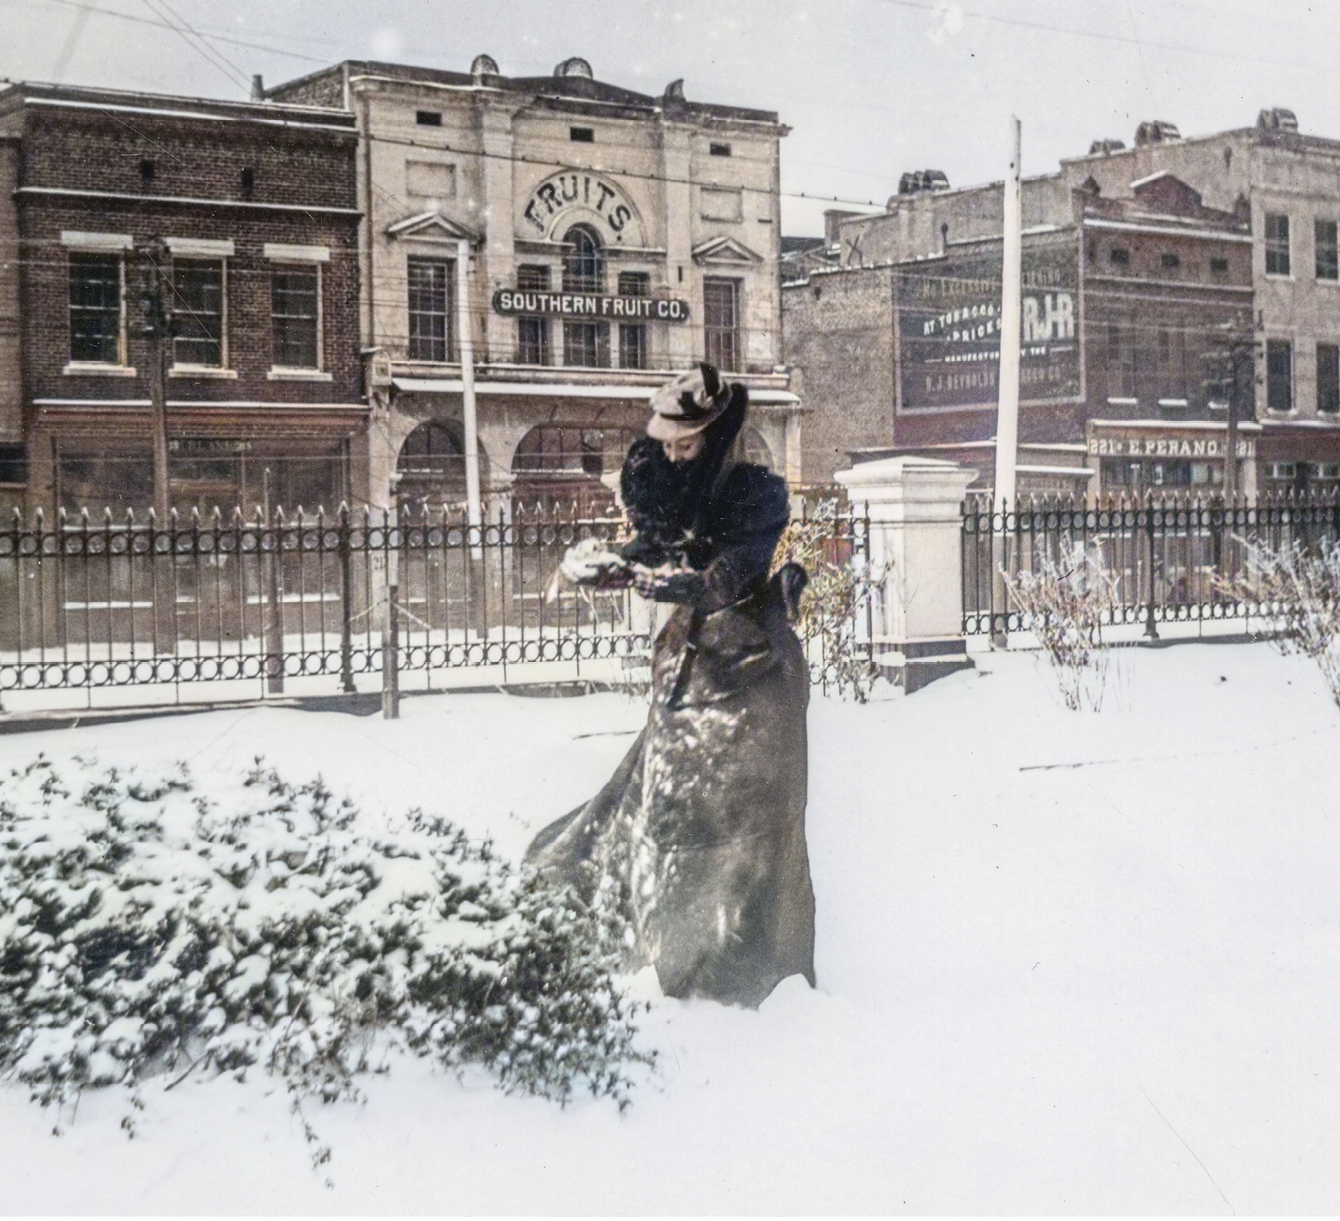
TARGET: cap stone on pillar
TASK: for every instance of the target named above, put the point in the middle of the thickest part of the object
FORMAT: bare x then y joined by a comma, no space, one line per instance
915,507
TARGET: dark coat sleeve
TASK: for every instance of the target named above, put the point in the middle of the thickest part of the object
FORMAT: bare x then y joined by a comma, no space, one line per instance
735,539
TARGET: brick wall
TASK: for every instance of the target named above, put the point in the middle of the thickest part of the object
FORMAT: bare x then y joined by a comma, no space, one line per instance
11,373
99,152
47,315
103,151
838,335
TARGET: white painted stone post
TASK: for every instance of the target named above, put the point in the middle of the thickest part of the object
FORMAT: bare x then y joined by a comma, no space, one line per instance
915,510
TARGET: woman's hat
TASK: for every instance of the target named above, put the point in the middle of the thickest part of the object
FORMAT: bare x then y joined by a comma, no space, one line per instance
687,404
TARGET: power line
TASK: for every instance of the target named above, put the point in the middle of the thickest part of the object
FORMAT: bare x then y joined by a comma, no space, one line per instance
199,45
165,25
934,6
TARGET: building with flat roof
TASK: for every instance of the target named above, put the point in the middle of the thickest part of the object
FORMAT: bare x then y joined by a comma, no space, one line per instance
589,240
1234,232
251,211
1127,306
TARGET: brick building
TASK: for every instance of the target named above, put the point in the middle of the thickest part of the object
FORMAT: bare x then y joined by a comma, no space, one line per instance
1127,307
255,209
610,237
1247,220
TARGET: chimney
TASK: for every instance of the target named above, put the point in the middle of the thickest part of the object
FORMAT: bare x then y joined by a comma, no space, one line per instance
258,88
833,217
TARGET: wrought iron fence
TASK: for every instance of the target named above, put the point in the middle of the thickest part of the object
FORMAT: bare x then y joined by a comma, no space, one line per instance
97,604
1172,559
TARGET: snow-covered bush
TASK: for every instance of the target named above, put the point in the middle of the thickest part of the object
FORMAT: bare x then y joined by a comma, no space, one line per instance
1298,589
838,592
148,928
1065,603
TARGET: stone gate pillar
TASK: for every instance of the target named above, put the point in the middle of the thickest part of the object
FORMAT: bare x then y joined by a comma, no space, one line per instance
915,510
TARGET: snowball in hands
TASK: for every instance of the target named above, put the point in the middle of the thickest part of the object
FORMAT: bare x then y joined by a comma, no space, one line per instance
591,562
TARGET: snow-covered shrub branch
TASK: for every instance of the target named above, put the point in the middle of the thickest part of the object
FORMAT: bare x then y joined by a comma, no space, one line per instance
147,928
838,592
1065,603
1297,588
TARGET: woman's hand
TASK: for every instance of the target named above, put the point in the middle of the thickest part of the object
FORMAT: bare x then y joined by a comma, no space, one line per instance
667,583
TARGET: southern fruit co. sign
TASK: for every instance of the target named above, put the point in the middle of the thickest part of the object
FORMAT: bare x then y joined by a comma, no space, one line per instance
590,305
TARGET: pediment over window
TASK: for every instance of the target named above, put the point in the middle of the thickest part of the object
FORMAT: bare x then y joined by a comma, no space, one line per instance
724,250
432,227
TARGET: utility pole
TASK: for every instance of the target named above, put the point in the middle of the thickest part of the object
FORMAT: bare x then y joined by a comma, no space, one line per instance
156,282
469,418
1011,293
1007,402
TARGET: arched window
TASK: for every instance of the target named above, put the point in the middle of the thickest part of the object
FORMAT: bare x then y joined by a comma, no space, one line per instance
584,261
433,448
586,344
566,462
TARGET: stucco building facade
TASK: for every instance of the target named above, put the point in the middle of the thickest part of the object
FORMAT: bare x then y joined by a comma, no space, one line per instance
609,238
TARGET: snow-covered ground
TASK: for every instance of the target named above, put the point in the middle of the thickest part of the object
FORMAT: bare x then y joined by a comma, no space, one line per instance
1105,986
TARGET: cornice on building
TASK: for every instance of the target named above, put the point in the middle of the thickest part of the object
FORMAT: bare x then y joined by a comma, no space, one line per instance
572,94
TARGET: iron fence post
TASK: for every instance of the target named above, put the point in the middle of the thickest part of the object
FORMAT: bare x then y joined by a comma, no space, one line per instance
1151,626
274,627
346,604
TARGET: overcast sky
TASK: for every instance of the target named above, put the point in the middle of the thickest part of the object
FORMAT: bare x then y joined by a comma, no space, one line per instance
870,88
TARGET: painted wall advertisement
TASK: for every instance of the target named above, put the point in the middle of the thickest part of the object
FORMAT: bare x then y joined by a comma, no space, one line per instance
949,327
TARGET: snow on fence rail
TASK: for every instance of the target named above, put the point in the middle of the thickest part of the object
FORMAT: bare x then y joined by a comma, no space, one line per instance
105,604
1172,559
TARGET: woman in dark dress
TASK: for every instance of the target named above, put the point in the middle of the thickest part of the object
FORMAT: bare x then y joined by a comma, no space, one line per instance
698,839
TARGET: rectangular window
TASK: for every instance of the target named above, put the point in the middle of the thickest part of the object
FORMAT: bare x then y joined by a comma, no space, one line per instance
1170,261
430,309
197,303
1120,360
1328,255
633,335
586,344
1218,265
718,150
95,308
721,323
1328,377
1279,375
532,334
295,317
582,135
1119,256
1277,244
532,341
428,118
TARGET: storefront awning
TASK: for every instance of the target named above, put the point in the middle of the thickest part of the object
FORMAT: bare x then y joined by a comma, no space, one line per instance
452,385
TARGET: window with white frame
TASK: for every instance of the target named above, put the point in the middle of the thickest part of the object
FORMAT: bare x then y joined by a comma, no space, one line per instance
198,313
721,322
297,332
1277,244
295,316
430,308
97,308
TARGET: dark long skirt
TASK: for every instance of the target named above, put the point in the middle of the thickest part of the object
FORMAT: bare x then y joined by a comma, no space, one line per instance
698,839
